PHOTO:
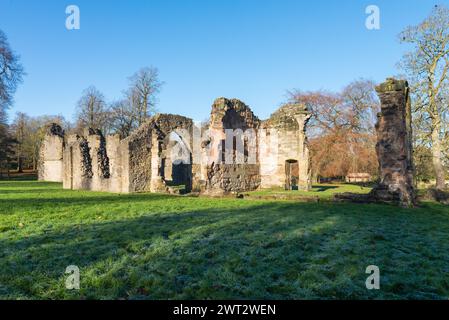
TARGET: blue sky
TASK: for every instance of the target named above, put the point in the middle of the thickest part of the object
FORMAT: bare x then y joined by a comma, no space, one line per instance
254,50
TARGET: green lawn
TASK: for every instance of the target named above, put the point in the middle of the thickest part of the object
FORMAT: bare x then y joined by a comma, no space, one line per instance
150,246
322,191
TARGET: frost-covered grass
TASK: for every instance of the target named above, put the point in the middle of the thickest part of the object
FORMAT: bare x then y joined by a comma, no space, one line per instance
150,246
322,191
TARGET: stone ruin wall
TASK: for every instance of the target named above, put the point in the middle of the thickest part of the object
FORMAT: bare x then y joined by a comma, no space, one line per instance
220,176
90,162
286,132
136,151
176,131
143,161
77,164
134,164
394,145
278,140
51,155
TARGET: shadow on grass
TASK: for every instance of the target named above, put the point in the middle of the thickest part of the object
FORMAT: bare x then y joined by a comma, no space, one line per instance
27,191
325,188
268,251
62,202
27,184
24,177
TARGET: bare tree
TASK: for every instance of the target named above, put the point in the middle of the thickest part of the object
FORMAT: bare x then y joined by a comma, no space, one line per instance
3,123
36,130
144,87
325,108
123,117
7,145
11,72
28,133
92,111
427,70
19,130
362,105
341,130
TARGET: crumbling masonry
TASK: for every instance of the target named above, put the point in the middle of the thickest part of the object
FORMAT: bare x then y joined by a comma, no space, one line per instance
394,145
51,154
394,148
234,152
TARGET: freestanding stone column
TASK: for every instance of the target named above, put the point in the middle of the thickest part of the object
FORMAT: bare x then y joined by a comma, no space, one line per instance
157,182
305,178
394,145
50,156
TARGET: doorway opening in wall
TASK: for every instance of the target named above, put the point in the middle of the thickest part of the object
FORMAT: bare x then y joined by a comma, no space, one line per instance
291,174
177,165
181,177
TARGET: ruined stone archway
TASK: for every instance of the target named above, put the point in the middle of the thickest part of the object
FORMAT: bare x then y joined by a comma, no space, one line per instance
176,165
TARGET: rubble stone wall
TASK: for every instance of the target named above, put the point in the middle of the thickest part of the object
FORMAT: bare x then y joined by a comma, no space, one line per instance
394,144
146,154
151,160
137,151
284,141
77,164
51,154
224,177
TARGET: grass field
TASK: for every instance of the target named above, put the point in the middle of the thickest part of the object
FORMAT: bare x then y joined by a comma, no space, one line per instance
322,191
150,246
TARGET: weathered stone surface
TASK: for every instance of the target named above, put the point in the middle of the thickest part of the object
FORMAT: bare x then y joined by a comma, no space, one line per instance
222,176
285,131
138,147
135,164
232,114
233,178
51,154
394,148
86,159
77,164
102,156
394,144
151,159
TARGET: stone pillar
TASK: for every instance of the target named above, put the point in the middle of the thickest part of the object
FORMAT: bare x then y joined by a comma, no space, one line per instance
123,167
100,160
157,182
394,145
68,161
51,154
305,179
113,153
93,139
77,164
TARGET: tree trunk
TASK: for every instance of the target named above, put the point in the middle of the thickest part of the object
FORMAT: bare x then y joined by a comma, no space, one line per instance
436,156
7,170
436,130
145,107
19,164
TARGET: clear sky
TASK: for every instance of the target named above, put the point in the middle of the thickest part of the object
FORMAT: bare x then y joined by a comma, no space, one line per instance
254,50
